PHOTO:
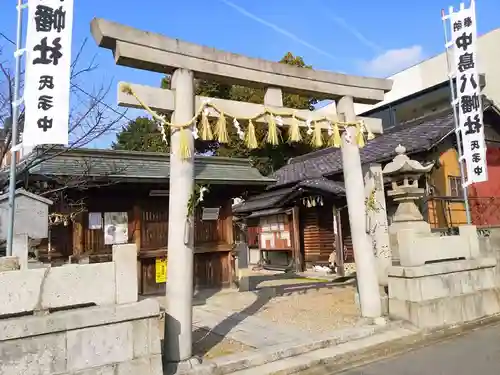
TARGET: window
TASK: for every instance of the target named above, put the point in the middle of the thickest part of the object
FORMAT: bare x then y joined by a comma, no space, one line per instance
387,116
455,186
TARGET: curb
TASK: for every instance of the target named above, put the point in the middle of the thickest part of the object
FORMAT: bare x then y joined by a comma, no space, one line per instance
276,291
251,359
349,360
419,340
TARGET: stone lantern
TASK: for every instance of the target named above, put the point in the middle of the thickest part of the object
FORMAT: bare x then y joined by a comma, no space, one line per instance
403,173
434,280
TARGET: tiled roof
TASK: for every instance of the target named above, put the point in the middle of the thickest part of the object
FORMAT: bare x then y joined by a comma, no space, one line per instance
266,201
145,165
267,212
324,185
417,136
261,201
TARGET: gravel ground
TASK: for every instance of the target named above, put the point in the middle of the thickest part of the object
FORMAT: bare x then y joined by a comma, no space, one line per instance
314,309
317,311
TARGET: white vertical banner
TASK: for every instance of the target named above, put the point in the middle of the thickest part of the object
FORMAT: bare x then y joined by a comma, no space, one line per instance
468,98
48,69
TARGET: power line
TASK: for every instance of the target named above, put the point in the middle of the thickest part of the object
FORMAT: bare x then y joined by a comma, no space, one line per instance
101,102
7,38
79,88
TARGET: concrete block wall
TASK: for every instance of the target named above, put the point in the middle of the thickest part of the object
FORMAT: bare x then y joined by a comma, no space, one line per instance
115,340
489,246
444,293
71,285
56,335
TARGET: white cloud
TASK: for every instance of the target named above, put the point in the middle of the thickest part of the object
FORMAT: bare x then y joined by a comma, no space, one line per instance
393,61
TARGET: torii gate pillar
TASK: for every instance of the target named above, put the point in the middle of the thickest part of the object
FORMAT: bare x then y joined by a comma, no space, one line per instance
367,279
179,295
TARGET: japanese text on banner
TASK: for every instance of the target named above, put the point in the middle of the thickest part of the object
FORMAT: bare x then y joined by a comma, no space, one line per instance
469,103
48,65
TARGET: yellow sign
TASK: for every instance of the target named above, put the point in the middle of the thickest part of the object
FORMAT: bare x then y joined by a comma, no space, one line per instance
161,270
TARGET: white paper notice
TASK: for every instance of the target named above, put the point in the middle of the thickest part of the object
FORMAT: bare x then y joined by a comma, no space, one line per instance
95,220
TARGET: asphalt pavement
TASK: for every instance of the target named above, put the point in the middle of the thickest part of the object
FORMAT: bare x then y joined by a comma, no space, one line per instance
473,353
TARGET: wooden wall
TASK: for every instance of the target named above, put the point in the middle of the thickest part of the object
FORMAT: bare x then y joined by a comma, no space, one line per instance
318,237
213,270
316,234
253,232
153,224
148,229
148,224
348,250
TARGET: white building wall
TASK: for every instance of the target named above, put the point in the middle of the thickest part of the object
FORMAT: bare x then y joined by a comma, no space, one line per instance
434,71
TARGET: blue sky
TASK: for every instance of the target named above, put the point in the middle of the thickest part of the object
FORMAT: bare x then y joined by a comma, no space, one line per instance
362,37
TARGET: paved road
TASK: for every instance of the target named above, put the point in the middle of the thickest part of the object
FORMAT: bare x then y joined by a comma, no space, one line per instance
475,353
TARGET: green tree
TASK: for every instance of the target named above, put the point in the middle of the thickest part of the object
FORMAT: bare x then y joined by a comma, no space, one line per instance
266,158
140,134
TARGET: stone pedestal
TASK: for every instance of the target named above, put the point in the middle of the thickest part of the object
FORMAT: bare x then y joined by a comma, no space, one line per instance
446,293
417,248
418,227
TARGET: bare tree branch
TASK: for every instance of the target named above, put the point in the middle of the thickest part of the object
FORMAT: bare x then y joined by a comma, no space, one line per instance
57,188
90,118
9,98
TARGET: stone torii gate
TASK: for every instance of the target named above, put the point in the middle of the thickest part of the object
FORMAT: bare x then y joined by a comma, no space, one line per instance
185,61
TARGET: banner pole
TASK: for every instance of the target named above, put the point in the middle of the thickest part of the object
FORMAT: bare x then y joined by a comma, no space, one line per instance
16,103
455,117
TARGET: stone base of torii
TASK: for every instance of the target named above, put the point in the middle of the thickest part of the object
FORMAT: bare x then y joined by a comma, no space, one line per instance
185,61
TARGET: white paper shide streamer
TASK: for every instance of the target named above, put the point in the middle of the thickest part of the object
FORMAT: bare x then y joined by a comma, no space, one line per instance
309,127
239,132
48,67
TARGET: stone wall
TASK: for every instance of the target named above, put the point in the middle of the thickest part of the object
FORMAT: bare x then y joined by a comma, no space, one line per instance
449,292
489,246
444,293
114,340
71,285
79,319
